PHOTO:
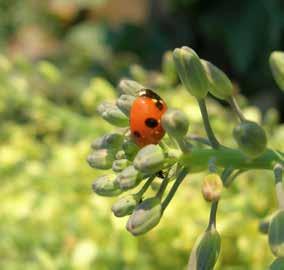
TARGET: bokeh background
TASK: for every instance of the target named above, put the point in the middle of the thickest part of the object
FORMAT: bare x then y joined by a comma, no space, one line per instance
59,59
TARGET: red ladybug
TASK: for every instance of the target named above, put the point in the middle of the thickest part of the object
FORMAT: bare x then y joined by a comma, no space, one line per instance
145,118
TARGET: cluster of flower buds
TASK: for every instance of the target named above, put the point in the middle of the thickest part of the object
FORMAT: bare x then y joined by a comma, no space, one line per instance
137,169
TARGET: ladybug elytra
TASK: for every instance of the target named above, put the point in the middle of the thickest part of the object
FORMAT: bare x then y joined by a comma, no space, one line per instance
145,118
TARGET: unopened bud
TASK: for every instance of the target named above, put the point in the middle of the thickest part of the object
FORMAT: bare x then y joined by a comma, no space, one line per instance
101,159
128,178
120,155
276,234
130,148
220,85
124,103
206,251
278,264
276,62
212,187
191,72
168,67
145,216
108,141
175,123
106,186
149,159
112,114
124,206
130,87
251,138
119,165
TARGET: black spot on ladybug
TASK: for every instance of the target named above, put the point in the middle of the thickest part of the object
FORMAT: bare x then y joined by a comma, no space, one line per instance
151,122
137,134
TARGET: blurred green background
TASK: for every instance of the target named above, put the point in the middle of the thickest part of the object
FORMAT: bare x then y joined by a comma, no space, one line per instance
61,58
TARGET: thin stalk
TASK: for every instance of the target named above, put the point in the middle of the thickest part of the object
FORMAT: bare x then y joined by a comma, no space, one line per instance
212,217
199,139
278,174
203,109
144,188
182,174
235,107
163,187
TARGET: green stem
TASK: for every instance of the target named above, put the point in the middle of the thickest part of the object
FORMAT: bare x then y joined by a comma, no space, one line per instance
140,193
163,187
197,160
202,105
235,107
212,218
199,139
278,174
182,174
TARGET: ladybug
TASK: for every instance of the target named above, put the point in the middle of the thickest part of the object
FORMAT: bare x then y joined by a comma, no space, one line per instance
145,118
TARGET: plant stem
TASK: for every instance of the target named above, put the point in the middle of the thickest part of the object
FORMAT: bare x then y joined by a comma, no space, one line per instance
235,107
212,218
202,105
140,193
278,174
182,174
197,160
163,186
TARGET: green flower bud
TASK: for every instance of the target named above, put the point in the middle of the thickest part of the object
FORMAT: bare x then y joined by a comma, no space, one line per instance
128,178
212,187
124,103
119,165
145,216
109,141
112,114
175,123
278,264
124,206
206,251
130,148
149,159
220,85
101,159
276,234
130,87
120,155
168,67
251,138
191,72
276,62
106,186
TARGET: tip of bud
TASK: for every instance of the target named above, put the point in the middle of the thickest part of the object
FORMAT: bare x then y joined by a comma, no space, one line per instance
276,61
124,206
101,159
145,216
106,186
130,87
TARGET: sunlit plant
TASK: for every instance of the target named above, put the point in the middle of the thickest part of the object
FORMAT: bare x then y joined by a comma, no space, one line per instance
179,153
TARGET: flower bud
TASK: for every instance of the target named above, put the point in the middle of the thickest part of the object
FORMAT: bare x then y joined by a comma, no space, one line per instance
145,216
108,141
128,178
119,165
101,159
130,148
220,85
149,159
168,67
278,264
112,114
175,123
206,251
251,138
276,234
276,62
191,72
124,103
124,206
212,187
130,87
120,155
106,186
